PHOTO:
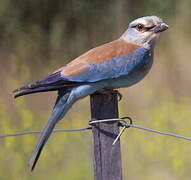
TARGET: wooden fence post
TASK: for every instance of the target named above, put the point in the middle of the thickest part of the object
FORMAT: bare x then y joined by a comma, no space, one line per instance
107,158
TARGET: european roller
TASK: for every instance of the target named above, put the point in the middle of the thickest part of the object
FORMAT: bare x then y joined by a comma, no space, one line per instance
117,64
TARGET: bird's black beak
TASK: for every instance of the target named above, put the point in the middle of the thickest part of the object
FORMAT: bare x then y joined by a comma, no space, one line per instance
160,28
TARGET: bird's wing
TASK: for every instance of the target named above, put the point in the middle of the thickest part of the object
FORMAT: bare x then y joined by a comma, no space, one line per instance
111,60
108,61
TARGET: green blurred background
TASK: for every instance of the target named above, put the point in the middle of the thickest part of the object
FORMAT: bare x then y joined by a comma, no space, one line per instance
36,37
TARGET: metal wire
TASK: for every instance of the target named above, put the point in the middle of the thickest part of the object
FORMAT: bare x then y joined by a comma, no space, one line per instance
39,132
160,132
122,122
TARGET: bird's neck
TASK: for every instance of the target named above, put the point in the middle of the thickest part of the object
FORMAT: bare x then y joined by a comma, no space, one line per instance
136,42
147,43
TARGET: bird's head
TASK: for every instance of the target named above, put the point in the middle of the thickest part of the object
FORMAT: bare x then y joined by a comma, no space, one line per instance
145,31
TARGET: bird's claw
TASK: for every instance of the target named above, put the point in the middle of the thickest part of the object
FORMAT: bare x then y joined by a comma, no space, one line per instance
119,95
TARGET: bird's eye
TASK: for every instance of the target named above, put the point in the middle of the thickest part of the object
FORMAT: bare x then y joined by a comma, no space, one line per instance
140,27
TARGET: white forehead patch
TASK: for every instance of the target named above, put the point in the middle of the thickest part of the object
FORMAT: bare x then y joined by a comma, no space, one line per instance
146,21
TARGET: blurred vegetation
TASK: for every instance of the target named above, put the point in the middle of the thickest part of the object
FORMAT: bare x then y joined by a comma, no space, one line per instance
38,36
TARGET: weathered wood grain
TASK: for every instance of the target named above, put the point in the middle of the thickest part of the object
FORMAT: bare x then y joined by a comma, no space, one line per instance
107,158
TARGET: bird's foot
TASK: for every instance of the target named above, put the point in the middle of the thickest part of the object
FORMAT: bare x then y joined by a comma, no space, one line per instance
119,95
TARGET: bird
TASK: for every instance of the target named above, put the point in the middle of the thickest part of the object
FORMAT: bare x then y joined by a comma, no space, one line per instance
118,64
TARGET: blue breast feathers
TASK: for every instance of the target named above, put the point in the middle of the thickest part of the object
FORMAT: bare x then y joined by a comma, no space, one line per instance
113,68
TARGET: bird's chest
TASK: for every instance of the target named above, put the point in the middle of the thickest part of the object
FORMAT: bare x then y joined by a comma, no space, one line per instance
132,78
145,67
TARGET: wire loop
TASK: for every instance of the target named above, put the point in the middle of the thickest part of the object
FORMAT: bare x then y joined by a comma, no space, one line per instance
123,121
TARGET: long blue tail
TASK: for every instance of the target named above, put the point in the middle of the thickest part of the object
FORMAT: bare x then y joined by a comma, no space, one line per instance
62,105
